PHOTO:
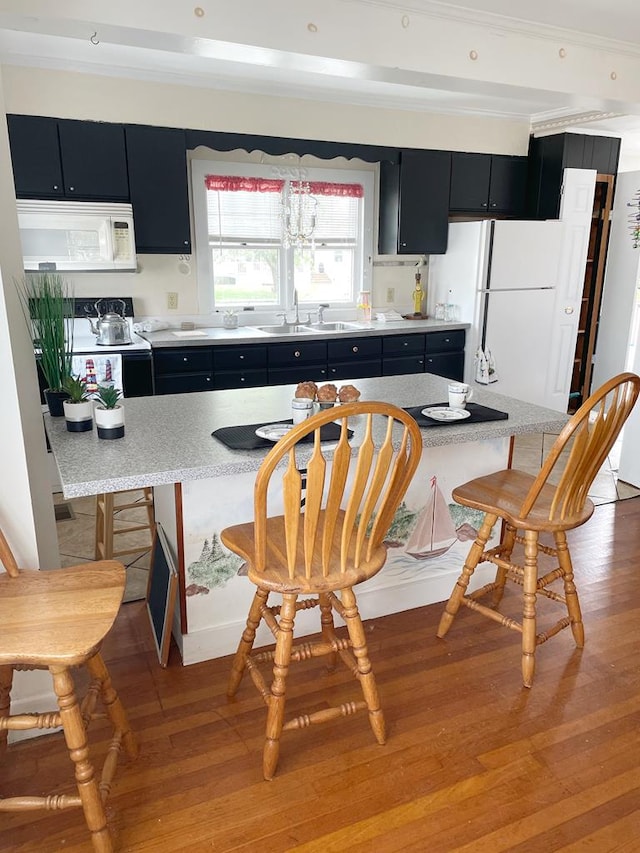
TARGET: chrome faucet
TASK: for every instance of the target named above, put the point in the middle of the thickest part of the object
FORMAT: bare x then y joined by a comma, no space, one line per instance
321,308
296,318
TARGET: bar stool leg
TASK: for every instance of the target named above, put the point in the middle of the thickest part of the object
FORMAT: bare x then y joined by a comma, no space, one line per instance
275,714
76,738
530,586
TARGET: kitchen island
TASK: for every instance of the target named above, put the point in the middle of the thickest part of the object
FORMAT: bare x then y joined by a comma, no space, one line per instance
201,486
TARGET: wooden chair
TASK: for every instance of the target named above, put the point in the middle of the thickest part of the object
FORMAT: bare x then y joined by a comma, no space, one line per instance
57,620
532,505
107,510
330,544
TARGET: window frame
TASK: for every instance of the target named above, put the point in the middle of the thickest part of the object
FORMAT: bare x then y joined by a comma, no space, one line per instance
202,167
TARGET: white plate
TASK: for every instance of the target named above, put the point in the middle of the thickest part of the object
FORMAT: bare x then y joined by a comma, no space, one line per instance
444,413
273,432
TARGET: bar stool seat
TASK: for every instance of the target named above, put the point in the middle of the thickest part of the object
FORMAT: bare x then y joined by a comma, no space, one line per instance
106,512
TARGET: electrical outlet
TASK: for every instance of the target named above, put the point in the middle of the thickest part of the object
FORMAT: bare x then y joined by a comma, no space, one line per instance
391,294
172,300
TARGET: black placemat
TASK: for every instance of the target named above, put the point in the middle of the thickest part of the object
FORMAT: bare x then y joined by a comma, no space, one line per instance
478,414
244,437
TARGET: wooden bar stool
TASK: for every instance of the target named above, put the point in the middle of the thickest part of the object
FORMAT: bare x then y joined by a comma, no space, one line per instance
106,512
57,620
532,505
329,545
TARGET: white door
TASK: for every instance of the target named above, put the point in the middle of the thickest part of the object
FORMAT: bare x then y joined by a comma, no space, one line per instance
578,189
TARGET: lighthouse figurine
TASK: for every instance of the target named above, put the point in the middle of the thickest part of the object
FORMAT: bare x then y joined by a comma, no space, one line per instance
417,296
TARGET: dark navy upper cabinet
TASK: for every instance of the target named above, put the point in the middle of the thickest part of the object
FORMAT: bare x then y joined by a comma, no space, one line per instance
493,184
549,156
63,158
157,159
414,203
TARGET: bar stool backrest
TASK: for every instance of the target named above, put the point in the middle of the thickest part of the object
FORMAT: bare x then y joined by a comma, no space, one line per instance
583,446
355,504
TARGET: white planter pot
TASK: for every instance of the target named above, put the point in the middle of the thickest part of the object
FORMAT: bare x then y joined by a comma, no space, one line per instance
79,416
110,422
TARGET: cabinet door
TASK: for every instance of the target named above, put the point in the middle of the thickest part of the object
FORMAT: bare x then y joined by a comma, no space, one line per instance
407,364
508,185
414,204
179,360
354,369
157,160
450,341
240,379
403,344
183,383
35,156
94,162
354,349
424,202
470,177
296,374
297,353
449,365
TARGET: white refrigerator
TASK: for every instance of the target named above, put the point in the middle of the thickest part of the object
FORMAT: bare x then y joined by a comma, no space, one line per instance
504,276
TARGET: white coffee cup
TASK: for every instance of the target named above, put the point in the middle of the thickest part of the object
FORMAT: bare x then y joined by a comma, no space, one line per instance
301,409
459,395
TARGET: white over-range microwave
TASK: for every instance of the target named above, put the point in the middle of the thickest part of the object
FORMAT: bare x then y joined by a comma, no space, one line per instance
76,236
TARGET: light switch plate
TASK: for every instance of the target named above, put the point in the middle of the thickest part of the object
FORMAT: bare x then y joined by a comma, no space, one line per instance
391,294
172,300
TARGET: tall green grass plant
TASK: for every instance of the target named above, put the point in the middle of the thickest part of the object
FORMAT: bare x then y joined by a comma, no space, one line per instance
48,305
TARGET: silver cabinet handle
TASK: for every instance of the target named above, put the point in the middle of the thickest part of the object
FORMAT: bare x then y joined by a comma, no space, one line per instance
297,353
354,349
568,310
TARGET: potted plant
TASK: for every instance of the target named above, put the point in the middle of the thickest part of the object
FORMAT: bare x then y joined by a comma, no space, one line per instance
78,409
48,306
109,413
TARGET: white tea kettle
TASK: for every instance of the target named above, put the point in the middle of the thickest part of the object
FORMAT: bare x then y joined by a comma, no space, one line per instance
112,328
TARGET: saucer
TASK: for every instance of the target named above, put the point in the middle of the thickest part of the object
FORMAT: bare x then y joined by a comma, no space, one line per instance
273,432
445,414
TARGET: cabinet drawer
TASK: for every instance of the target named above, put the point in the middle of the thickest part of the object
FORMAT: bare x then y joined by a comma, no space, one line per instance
449,365
297,352
402,344
294,375
183,360
407,364
354,369
239,358
353,349
445,341
183,383
239,379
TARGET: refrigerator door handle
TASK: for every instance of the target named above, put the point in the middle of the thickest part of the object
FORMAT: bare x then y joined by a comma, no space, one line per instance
516,289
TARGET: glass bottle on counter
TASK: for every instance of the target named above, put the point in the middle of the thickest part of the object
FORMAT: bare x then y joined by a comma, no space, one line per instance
364,305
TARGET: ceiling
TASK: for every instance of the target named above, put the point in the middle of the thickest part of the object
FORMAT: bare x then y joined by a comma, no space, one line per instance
67,43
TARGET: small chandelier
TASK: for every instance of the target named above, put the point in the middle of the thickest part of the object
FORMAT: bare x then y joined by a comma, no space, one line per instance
299,209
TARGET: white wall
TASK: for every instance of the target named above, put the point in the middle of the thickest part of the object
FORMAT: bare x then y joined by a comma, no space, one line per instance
620,283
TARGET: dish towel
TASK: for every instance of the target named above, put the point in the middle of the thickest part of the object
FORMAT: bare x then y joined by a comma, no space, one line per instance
150,326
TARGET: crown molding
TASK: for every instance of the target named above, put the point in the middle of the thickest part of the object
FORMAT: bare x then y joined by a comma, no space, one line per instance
541,126
504,24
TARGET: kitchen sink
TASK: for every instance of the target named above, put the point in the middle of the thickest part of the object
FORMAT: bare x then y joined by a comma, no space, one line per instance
332,327
284,330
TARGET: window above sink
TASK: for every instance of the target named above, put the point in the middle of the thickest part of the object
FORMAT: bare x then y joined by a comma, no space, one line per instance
240,214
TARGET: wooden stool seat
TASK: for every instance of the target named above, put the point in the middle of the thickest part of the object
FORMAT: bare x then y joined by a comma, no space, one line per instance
328,539
552,503
57,620
106,512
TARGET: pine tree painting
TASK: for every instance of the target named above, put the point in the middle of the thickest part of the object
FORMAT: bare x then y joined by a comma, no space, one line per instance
213,567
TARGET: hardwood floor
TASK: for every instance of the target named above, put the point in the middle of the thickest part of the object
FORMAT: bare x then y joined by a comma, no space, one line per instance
474,762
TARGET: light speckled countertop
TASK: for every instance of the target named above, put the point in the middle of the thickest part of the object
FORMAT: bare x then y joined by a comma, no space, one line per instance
252,335
168,438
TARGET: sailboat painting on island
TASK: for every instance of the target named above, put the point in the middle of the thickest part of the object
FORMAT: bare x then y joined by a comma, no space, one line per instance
435,531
